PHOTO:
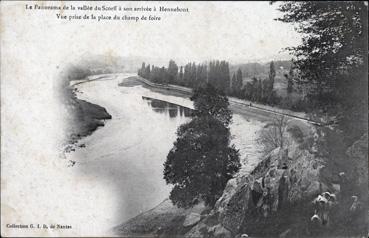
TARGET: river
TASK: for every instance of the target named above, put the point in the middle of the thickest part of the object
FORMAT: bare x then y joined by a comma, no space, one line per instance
125,157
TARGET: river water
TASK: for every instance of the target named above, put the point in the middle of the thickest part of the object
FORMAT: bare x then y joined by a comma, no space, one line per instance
125,157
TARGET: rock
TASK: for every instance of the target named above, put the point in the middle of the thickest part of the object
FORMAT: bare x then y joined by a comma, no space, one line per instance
285,233
275,199
313,188
358,152
336,187
278,182
219,231
191,219
200,230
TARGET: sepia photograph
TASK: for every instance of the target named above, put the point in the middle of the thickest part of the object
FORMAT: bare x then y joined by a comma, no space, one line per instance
206,119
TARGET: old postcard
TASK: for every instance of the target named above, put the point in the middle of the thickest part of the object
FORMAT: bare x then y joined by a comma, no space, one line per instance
184,119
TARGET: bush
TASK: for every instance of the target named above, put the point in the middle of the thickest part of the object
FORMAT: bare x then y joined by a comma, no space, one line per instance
274,134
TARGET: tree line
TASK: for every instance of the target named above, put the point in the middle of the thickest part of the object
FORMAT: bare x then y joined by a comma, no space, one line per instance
191,75
217,74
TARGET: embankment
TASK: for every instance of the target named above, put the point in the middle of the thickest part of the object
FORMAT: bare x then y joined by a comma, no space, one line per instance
84,118
239,106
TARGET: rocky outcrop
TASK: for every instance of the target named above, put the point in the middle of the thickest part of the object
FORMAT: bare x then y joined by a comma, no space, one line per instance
268,201
288,195
280,181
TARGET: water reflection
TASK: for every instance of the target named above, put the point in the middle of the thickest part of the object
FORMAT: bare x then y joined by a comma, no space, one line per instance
171,109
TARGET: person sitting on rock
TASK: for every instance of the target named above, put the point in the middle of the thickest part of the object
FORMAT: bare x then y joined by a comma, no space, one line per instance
321,210
265,202
331,198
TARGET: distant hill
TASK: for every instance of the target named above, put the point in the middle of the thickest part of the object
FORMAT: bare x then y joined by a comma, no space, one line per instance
261,71
250,70
110,63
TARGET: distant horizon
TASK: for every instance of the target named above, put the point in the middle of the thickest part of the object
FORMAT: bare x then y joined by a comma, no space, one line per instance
161,61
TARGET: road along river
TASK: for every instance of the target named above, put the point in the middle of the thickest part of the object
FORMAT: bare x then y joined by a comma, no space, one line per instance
125,157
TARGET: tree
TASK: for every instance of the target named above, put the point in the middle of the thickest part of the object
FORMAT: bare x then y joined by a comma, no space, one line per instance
219,75
233,80
237,83
210,101
141,72
202,159
201,75
333,58
248,91
334,44
147,71
274,134
289,78
259,91
187,75
268,85
239,79
272,74
332,64
181,75
172,71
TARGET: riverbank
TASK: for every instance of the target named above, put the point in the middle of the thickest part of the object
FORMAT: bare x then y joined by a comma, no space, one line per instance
85,118
245,108
126,155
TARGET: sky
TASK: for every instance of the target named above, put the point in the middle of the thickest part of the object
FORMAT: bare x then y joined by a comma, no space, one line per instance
234,31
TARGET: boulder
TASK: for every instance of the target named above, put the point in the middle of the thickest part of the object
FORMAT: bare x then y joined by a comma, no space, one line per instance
200,230
358,152
191,219
219,231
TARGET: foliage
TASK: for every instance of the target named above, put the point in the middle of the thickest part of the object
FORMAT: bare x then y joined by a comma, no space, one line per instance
209,101
190,75
290,77
237,84
274,134
333,58
217,73
202,159
272,73
250,70
261,91
172,71
335,37
332,65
